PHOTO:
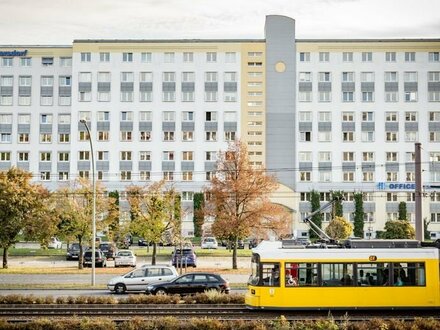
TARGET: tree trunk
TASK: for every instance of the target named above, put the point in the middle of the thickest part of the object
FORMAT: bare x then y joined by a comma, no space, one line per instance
5,257
80,255
153,256
234,255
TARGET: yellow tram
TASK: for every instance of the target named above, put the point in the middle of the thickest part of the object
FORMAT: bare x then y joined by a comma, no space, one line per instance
359,274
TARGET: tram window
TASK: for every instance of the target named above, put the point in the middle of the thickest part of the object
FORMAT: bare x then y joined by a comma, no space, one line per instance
409,274
372,274
301,274
337,274
255,277
270,274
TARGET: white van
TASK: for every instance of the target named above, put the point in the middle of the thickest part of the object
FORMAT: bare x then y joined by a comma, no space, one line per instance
138,279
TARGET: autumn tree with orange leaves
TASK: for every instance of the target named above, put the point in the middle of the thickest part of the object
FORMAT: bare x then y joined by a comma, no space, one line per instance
238,200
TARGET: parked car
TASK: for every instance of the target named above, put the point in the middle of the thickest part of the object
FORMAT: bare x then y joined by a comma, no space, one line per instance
125,258
54,243
190,283
138,279
240,244
100,259
109,249
184,257
142,242
209,243
73,251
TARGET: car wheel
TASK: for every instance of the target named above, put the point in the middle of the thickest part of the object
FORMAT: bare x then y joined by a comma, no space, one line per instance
161,292
120,288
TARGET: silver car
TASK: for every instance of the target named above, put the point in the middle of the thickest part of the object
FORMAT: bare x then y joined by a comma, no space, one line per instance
138,279
125,258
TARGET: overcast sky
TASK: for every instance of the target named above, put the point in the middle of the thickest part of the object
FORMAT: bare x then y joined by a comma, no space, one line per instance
59,22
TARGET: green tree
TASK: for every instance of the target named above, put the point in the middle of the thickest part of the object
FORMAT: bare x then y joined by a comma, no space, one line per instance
403,215
198,218
358,215
398,229
75,209
115,231
25,208
315,204
238,199
339,228
426,234
337,209
156,213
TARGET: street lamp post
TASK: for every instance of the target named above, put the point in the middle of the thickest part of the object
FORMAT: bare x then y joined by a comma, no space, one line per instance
93,202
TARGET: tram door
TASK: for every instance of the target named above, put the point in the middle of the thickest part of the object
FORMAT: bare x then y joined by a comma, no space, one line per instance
271,279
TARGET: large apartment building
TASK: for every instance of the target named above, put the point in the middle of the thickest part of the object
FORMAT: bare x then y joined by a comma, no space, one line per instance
321,115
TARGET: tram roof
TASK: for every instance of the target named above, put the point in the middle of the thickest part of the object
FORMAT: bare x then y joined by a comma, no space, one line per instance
269,250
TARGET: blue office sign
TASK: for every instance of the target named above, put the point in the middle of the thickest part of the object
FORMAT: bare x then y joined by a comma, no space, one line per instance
13,52
397,186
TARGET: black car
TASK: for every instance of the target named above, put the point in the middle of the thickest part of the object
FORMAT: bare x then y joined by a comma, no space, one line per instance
142,242
73,251
100,259
189,284
109,249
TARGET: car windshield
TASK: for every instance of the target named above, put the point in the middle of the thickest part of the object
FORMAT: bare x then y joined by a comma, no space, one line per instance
209,240
125,254
103,246
185,251
89,254
74,246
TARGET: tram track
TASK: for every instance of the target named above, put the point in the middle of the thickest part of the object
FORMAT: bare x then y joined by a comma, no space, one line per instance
119,313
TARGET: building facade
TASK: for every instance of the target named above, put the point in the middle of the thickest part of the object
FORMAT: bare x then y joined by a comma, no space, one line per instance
321,115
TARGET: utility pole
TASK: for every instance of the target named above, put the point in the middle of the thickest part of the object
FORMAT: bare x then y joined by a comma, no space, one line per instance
418,193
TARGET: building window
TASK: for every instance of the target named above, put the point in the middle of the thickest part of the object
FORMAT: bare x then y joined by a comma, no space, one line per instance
104,57
145,136
305,176
391,136
45,176
434,56
187,176
86,57
127,57
146,57
46,138
390,56
187,136
348,116
211,136
324,56
368,176
304,57
348,136
367,136
211,57
103,135
305,136
305,96
410,56
168,136
348,156
125,175
125,136
5,156
169,57
348,176
168,176
188,57
47,61
125,155
45,156
392,177
168,155
23,137
367,56
347,96
144,155
347,76
229,136
144,175
27,61
347,57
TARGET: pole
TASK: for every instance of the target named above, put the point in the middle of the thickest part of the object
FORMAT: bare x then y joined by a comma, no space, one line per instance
94,205
418,193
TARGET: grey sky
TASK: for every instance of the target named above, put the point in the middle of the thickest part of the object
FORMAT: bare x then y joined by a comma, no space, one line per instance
59,22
